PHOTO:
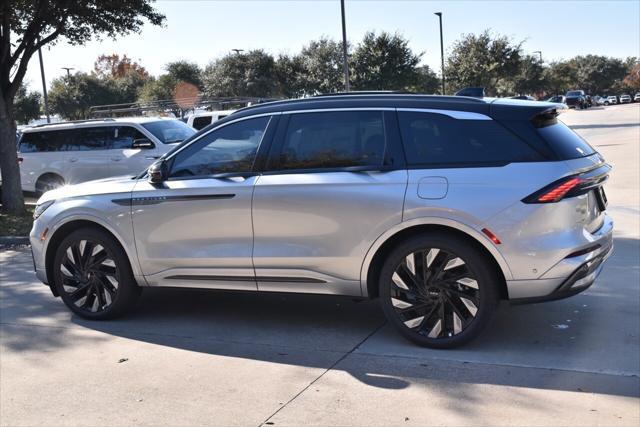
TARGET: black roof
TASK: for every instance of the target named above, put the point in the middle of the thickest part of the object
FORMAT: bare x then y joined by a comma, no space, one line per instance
499,108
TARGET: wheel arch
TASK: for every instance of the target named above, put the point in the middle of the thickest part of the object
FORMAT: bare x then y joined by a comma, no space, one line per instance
63,229
373,261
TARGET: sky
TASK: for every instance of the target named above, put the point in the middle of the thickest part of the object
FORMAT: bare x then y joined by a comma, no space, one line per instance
201,31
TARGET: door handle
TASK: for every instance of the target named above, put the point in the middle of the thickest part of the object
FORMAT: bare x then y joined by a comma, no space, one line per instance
73,159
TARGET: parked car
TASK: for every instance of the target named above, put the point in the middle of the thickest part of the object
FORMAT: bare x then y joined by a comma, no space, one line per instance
636,98
559,99
200,120
625,99
577,99
611,100
67,153
524,97
494,199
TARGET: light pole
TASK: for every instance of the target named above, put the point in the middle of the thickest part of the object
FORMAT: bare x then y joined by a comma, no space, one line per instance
539,53
44,85
238,51
68,70
441,49
345,64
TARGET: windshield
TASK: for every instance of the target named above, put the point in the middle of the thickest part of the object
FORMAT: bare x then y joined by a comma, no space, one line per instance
574,93
169,131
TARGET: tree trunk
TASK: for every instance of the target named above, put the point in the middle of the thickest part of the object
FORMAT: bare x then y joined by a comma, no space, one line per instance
12,199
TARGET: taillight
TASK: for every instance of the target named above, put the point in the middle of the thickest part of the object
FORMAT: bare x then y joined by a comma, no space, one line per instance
556,193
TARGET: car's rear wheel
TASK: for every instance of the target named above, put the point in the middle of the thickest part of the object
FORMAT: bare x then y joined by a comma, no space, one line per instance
438,290
93,276
48,182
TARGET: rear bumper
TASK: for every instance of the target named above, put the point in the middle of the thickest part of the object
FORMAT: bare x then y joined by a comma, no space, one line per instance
581,279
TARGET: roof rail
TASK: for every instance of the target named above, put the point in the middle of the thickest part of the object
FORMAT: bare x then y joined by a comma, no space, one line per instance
106,119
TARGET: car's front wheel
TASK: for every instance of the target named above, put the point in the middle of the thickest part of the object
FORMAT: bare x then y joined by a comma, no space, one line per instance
93,276
438,290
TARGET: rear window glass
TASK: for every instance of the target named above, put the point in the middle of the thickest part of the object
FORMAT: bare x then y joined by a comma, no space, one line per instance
201,122
169,131
440,140
566,143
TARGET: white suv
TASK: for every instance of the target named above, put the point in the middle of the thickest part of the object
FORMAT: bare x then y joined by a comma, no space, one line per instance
72,152
201,120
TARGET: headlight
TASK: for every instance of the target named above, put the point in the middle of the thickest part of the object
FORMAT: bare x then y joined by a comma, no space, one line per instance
39,210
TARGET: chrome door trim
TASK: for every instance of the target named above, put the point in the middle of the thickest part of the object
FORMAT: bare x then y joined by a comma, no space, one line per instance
459,115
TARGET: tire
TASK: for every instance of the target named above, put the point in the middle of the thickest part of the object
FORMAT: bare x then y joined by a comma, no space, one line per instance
460,300
94,278
48,182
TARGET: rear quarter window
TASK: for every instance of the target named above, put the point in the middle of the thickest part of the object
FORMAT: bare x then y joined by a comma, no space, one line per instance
438,140
564,142
47,141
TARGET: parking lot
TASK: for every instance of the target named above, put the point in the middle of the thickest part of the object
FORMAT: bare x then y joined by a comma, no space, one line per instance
197,357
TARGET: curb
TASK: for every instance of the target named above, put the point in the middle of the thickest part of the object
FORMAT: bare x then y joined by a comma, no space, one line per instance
13,240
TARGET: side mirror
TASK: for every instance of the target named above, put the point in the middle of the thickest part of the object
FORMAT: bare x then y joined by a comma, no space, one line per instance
143,143
158,172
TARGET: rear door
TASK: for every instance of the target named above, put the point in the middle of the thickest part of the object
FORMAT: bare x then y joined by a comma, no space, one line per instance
88,156
334,182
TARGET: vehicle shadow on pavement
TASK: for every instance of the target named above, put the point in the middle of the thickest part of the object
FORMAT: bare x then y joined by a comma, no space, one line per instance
585,343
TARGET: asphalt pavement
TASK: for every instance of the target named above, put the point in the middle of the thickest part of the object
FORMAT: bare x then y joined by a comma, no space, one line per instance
219,358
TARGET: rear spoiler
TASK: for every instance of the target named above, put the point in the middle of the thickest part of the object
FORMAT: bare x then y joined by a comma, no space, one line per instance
513,109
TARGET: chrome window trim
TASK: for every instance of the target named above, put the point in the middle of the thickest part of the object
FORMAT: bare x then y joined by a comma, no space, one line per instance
255,116
330,110
459,115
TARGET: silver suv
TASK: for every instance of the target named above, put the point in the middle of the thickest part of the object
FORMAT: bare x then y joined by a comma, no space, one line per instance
438,206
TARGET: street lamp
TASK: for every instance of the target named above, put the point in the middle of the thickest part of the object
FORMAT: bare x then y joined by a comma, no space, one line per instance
345,64
441,48
539,53
238,51
68,70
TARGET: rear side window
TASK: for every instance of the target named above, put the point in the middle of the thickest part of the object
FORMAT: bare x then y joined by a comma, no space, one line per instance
47,141
328,140
201,122
566,143
97,138
169,131
440,140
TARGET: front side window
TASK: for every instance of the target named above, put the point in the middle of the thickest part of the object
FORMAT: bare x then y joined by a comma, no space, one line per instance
231,148
329,140
124,137
439,140
169,131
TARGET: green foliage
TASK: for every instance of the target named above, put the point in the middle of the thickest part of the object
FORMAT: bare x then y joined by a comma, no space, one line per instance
484,60
321,62
26,105
384,62
241,74
164,87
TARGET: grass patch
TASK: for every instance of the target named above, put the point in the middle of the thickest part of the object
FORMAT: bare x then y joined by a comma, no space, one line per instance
13,225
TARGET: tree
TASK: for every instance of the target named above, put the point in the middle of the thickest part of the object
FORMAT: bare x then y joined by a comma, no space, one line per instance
26,105
72,96
384,62
289,73
26,26
427,81
321,61
250,74
484,60
632,80
530,78
112,66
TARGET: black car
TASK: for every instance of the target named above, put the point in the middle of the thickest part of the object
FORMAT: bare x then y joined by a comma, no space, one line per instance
577,99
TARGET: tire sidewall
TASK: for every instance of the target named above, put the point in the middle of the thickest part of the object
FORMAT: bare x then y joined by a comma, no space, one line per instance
478,266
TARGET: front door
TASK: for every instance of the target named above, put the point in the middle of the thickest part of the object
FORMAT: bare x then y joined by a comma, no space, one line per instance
195,230
334,182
